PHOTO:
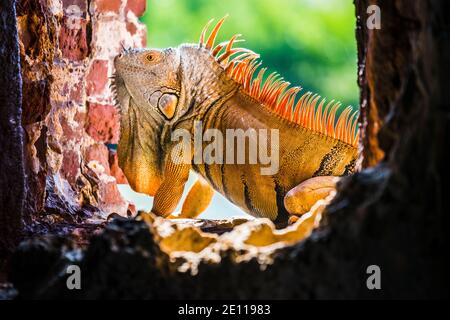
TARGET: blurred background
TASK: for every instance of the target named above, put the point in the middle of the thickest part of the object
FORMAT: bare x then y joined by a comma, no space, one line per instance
311,43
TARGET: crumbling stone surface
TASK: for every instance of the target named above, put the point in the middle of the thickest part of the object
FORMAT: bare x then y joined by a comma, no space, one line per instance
66,51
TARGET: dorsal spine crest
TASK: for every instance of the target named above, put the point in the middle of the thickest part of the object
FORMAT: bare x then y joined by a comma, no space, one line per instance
309,111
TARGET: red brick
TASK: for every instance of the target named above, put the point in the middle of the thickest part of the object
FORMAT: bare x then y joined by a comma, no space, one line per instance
98,152
136,6
97,78
103,6
131,27
103,123
72,40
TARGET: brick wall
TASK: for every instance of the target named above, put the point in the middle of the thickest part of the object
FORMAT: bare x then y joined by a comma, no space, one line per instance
71,124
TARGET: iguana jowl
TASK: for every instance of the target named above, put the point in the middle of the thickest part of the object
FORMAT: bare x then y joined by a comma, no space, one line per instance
160,91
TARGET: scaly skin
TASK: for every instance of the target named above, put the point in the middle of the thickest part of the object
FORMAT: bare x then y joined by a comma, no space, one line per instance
197,88
303,154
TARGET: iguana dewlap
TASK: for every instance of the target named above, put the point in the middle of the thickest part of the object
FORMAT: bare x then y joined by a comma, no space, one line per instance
222,87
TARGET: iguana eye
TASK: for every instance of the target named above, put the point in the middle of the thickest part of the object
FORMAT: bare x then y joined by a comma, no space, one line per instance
150,57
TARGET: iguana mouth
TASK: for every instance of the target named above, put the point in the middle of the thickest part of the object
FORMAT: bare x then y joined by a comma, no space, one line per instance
116,81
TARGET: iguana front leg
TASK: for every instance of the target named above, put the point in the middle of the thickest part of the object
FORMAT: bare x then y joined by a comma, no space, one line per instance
176,173
301,198
197,200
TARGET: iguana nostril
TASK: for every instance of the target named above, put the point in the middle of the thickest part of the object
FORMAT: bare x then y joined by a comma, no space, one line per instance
116,59
167,104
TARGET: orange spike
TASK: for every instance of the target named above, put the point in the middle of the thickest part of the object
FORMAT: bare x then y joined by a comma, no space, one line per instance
318,116
257,82
354,129
313,109
332,119
254,65
308,115
273,87
227,54
255,88
326,113
301,106
249,64
287,96
344,123
213,35
224,56
289,112
348,123
221,45
306,108
278,93
243,70
252,88
284,98
245,66
205,28
290,102
229,68
337,106
217,49
348,129
297,108
355,132
268,83
232,40
237,71
341,124
240,58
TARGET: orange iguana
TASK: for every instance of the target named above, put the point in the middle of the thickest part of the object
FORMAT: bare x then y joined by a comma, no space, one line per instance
162,91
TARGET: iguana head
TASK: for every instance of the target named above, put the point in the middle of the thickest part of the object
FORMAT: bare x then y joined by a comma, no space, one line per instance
147,87
151,79
158,79
156,89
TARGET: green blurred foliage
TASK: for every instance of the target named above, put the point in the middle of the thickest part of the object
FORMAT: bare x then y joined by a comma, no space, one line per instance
311,43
